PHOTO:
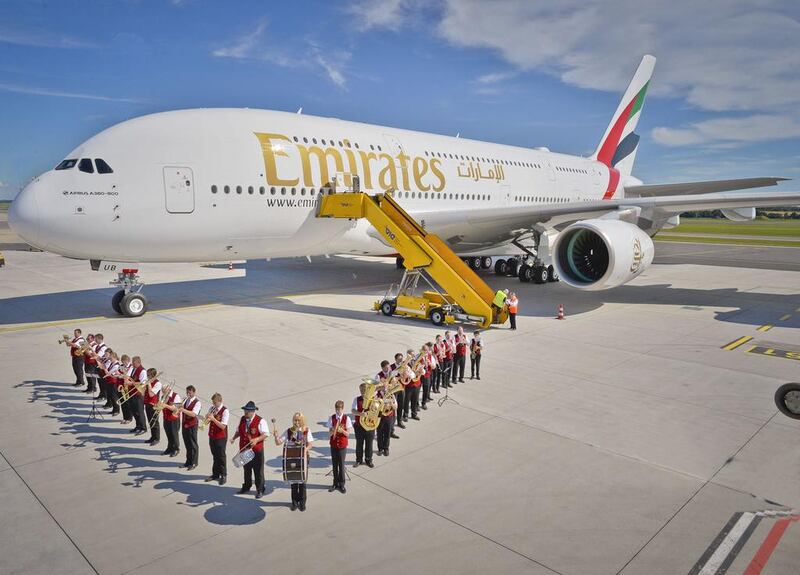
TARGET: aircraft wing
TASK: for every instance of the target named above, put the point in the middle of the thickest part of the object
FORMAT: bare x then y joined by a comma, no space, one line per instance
690,188
496,225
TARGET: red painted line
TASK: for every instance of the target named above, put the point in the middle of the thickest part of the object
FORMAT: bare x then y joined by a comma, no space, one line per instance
768,546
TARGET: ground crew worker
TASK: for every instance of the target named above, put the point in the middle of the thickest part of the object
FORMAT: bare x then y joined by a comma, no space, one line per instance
513,305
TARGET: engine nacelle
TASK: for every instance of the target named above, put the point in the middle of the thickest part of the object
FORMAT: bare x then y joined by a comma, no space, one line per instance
601,254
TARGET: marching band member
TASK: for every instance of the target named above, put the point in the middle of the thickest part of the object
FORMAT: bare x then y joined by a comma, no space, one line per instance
171,423
77,361
386,425
111,370
252,432
339,428
476,348
152,394
217,438
298,434
439,350
138,374
430,365
125,370
98,352
450,357
412,390
364,438
401,395
461,354
189,412
89,364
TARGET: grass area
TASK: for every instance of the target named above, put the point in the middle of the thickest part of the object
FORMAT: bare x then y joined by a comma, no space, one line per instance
665,237
758,228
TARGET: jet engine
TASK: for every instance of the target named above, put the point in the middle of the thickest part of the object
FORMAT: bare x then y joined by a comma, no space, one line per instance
601,254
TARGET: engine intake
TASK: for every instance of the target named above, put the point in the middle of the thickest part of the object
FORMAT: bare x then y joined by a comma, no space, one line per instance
601,254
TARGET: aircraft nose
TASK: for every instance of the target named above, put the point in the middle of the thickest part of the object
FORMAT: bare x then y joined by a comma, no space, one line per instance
23,215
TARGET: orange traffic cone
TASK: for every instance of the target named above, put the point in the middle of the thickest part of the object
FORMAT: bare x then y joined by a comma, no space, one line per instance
560,311
230,266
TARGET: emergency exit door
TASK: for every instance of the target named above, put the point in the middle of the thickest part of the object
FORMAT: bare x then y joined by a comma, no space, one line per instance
179,190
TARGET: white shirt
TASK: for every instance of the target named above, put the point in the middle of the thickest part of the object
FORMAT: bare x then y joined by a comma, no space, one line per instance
224,419
126,370
177,399
197,405
309,437
155,388
262,425
142,376
355,405
347,426
478,342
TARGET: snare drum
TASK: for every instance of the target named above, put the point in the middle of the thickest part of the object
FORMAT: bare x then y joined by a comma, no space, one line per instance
295,468
243,457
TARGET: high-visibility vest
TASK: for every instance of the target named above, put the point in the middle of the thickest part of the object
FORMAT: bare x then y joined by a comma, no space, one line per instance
513,303
499,298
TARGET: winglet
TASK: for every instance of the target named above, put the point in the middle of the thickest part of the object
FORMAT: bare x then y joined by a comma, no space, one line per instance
617,148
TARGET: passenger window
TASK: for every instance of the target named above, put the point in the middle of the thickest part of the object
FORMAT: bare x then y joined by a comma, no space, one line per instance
85,165
214,189
66,164
102,167
262,190
250,190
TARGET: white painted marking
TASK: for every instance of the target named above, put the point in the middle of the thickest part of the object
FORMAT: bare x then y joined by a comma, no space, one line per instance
724,548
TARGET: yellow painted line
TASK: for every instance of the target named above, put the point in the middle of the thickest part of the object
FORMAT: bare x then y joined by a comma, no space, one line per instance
766,327
775,352
785,317
736,343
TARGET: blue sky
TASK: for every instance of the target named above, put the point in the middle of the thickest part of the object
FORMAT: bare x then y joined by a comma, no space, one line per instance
724,101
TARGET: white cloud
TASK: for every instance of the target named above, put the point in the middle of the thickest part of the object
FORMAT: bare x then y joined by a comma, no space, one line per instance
495,77
755,128
718,56
252,46
58,94
3,184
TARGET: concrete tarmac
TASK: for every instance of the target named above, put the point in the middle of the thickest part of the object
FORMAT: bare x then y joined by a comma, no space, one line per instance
624,439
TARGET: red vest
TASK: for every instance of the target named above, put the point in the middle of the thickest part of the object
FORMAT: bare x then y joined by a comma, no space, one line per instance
461,345
137,373
215,432
247,433
339,440
90,360
382,394
186,421
359,407
151,398
73,351
475,347
449,349
168,415
112,379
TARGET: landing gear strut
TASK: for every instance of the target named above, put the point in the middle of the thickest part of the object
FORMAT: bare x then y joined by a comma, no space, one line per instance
129,300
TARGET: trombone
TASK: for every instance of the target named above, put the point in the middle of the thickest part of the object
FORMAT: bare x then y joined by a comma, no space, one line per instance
140,387
160,405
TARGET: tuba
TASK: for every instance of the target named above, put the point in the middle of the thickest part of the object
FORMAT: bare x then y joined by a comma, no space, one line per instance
372,406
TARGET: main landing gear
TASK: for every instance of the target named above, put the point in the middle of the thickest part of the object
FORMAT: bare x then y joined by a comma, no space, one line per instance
129,300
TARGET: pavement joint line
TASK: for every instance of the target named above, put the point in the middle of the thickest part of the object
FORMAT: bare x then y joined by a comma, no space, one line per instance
710,480
64,531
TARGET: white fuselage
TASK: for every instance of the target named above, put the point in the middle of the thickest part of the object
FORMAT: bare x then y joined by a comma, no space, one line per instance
221,184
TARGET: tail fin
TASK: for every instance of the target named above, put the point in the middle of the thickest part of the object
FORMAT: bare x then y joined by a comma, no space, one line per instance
618,147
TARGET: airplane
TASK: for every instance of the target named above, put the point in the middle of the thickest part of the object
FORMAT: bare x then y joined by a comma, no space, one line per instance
205,185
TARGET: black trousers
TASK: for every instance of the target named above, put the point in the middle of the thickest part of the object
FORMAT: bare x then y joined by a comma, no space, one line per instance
475,366
401,407
155,425
101,384
364,440
91,383
219,466
137,410
77,368
127,412
461,363
512,317
112,395
171,431
436,382
190,443
337,457
255,467
385,432
412,399
446,372
426,389
299,493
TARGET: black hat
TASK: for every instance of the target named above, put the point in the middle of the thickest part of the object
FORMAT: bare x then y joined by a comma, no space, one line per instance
250,407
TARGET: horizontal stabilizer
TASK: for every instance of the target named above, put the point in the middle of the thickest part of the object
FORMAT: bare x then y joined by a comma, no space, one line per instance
691,188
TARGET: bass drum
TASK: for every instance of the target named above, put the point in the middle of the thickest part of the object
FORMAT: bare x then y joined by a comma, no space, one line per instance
295,468
787,398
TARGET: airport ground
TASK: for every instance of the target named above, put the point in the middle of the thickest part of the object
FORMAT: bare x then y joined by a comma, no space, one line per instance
634,437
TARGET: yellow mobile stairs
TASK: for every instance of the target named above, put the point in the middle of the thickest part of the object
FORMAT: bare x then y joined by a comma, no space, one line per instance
463,295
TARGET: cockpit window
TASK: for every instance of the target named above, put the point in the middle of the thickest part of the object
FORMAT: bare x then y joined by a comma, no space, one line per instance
85,165
66,164
102,166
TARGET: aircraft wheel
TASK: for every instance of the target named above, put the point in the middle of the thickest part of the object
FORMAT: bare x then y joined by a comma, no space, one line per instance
437,316
787,398
486,262
552,274
387,307
513,267
133,305
540,275
115,301
475,263
525,273
501,267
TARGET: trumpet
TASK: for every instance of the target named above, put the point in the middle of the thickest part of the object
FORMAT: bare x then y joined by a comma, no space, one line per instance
65,339
211,411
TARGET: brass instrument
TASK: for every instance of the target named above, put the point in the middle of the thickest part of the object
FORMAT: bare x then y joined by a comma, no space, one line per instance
140,387
211,411
371,405
65,339
392,386
160,405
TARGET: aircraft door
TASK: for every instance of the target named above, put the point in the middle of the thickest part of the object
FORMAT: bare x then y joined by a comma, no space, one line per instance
179,189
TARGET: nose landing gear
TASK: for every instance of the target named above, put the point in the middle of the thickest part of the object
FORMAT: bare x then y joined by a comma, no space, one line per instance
129,300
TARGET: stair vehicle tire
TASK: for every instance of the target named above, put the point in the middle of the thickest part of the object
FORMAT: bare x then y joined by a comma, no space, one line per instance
387,307
437,316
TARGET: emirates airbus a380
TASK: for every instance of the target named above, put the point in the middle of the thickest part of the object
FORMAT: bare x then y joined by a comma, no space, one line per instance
222,184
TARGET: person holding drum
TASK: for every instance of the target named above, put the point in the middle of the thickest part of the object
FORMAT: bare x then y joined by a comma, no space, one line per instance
297,436
252,432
